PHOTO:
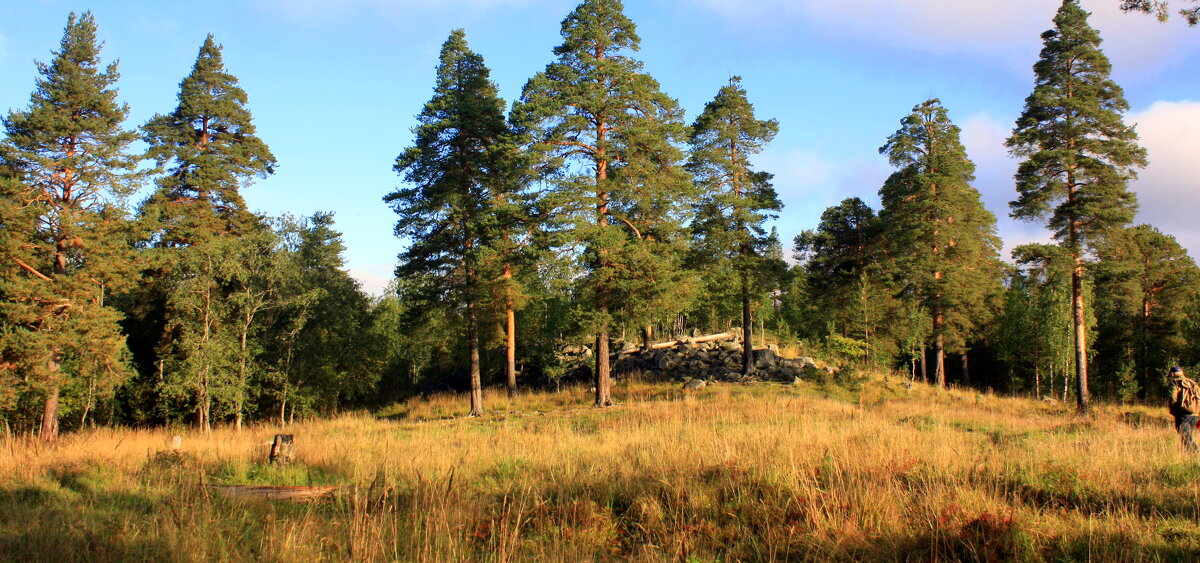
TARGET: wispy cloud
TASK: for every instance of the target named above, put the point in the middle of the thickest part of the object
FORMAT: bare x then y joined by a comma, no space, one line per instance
1008,31
317,10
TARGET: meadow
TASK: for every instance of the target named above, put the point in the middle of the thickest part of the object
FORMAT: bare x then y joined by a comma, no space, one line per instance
867,470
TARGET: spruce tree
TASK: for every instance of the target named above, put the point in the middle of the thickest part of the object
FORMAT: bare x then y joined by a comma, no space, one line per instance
736,200
608,139
941,238
461,169
70,171
1077,155
209,151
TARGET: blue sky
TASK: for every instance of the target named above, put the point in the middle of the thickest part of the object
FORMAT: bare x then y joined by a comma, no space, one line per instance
334,86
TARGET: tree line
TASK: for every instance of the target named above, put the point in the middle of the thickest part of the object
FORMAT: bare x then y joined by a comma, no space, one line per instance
587,211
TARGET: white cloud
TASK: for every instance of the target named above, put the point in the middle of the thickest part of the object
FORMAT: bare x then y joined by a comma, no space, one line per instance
374,279
1009,30
1169,188
808,183
308,10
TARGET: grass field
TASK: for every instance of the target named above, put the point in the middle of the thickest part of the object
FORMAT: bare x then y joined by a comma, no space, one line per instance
761,472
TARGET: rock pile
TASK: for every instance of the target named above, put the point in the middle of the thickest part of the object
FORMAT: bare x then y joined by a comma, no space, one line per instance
713,358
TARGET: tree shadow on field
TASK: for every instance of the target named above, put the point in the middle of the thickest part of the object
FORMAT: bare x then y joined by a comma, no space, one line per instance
40,524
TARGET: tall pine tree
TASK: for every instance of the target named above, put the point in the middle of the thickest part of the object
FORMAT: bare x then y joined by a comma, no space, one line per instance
73,171
609,140
941,238
736,200
210,152
461,168
1077,155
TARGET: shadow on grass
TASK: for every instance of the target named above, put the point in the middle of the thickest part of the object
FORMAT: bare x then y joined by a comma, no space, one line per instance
38,524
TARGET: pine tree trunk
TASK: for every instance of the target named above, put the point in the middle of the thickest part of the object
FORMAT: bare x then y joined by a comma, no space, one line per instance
603,382
966,372
510,349
473,338
747,328
647,338
939,351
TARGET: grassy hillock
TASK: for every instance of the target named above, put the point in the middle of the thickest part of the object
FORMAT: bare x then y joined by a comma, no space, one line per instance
761,472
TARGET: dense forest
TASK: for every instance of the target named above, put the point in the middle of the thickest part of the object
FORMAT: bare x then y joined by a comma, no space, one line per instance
587,216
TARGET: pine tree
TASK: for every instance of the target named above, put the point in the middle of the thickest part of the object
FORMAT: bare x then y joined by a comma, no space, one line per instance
736,200
210,152
462,169
1078,155
942,239
1161,9
68,245
609,139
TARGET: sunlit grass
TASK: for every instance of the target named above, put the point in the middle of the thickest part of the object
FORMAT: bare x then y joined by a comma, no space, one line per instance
867,470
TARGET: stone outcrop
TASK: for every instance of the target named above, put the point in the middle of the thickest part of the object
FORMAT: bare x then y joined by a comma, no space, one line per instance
711,358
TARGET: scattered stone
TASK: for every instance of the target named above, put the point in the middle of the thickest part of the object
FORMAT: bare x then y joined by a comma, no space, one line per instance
694,385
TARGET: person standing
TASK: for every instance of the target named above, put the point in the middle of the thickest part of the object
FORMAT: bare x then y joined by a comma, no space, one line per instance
1185,402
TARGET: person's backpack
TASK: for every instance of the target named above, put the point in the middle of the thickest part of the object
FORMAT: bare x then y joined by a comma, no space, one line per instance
1189,398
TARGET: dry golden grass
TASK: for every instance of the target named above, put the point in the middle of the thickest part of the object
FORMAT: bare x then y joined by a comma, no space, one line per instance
760,472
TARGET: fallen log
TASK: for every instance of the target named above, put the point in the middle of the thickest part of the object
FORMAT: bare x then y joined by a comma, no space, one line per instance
672,343
290,494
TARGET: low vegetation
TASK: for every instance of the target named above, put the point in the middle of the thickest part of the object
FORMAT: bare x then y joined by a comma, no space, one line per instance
864,469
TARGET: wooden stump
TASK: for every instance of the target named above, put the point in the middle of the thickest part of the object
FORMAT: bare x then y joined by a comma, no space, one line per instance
282,449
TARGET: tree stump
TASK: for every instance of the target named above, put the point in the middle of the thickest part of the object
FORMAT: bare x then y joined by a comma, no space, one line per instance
282,449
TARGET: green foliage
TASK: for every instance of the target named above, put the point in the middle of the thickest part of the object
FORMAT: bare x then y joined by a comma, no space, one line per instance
1145,282
67,170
